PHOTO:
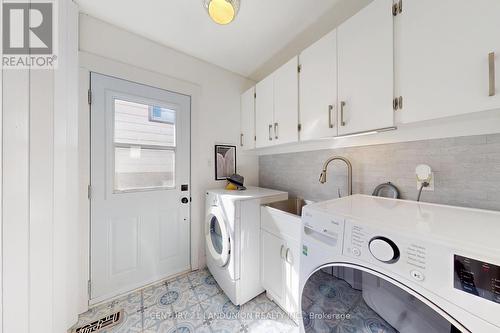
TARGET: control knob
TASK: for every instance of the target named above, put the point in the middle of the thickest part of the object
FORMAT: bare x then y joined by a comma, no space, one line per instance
384,250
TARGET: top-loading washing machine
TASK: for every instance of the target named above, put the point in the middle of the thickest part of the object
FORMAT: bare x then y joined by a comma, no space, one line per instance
381,265
232,239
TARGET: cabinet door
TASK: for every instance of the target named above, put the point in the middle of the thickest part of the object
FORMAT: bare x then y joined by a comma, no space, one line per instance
286,103
443,63
247,136
366,69
318,89
273,249
292,256
264,112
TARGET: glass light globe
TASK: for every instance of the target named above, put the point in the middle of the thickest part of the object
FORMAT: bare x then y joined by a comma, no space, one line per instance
222,11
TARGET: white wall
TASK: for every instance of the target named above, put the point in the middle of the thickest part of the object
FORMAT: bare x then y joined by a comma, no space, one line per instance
39,172
215,111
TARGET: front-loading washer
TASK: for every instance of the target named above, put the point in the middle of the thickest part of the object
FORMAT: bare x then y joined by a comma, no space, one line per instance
382,265
232,239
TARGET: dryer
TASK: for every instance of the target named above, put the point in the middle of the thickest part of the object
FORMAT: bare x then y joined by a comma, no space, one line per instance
373,264
232,239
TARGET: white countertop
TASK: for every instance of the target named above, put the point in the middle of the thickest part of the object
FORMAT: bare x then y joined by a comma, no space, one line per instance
455,225
251,192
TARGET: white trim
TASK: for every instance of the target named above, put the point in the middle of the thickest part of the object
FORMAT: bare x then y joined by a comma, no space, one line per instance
1,175
15,247
94,63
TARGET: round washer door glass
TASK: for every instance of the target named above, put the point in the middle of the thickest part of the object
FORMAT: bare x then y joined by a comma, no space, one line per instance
339,298
217,237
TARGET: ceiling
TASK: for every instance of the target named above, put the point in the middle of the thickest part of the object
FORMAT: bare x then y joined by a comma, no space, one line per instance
261,29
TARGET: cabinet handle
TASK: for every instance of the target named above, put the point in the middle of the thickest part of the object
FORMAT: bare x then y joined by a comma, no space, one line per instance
270,128
276,131
342,105
281,252
491,61
286,256
241,139
330,110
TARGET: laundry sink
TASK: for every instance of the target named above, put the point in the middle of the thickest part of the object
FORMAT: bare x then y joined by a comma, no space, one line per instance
292,206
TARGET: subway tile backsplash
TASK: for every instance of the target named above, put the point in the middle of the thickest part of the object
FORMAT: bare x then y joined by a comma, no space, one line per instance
466,170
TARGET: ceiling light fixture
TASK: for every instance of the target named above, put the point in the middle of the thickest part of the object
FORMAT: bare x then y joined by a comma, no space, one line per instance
222,11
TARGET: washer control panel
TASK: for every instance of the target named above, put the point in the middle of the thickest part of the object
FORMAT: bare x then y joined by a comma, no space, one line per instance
406,257
476,277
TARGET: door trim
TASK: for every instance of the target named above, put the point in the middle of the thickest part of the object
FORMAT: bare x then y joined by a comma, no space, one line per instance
93,63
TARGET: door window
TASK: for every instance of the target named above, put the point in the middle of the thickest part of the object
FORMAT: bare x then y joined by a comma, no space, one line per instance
345,299
144,144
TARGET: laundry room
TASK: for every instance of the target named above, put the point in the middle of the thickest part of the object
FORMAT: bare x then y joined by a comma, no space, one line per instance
252,166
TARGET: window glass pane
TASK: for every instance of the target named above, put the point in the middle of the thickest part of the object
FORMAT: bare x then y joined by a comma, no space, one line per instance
138,168
143,124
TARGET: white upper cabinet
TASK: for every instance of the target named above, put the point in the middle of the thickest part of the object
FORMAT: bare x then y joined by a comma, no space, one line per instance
247,136
276,107
443,61
286,103
318,89
264,112
366,69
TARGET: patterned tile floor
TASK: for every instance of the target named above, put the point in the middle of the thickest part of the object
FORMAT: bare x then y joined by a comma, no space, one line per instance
344,307
188,304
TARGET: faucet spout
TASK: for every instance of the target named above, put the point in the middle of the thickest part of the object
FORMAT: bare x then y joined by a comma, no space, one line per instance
322,176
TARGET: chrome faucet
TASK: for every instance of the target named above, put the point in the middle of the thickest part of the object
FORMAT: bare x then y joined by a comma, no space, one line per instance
322,176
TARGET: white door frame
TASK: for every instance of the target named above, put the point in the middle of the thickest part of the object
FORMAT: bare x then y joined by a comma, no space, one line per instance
93,63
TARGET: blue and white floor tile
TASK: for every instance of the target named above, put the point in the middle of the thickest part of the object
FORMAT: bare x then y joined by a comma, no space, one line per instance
199,277
180,299
192,303
331,305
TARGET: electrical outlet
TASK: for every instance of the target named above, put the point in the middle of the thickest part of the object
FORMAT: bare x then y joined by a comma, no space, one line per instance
431,184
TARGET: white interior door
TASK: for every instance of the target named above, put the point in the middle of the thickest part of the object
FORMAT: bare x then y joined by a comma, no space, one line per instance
140,169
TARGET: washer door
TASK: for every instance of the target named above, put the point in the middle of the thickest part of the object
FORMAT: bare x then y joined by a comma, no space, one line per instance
351,298
217,237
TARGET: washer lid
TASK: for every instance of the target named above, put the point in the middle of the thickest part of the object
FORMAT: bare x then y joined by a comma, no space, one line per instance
217,237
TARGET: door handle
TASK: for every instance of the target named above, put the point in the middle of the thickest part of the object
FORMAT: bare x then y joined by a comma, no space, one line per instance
342,106
184,200
276,131
330,110
270,128
241,139
286,256
491,62
281,252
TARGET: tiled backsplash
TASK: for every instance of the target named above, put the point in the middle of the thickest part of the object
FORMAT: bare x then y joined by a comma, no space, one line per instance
466,170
